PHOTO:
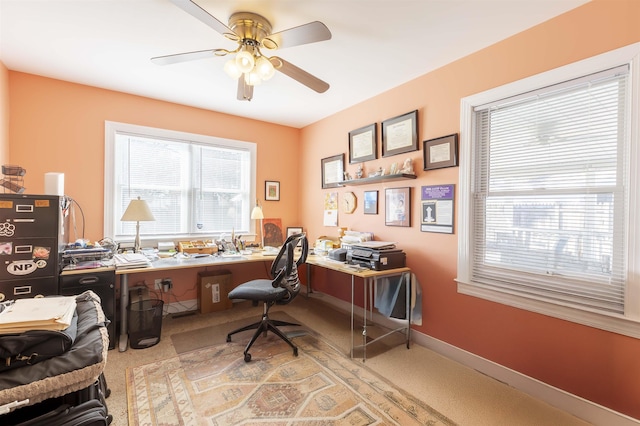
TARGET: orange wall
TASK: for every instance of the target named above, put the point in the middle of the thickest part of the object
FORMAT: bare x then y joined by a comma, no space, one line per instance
56,126
4,114
597,365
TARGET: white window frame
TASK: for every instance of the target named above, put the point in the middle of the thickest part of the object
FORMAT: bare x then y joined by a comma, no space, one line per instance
627,323
112,128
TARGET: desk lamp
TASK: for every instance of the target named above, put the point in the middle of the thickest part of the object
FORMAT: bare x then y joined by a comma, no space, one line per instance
257,213
137,211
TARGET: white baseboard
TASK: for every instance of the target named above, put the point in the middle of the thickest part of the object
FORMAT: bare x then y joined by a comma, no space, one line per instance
584,409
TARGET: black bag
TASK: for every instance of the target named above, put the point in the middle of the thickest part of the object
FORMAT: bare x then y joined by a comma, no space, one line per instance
30,347
90,413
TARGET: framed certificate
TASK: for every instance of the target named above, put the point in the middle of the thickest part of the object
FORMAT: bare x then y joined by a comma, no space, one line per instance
363,144
441,152
400,134
332,171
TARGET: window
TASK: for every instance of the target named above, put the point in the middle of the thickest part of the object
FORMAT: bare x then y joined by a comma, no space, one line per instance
548,198
196,186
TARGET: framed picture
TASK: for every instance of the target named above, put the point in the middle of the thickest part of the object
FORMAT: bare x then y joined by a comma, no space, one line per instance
397,207
272,232
332,171
400,134
363,144
441,152
291,230
370,202
272,190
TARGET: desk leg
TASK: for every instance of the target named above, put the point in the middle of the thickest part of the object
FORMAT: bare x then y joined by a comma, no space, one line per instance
365,290
309,289
409,282
352,301
124,302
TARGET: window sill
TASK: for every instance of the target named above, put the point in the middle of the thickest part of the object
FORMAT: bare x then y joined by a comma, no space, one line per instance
613,323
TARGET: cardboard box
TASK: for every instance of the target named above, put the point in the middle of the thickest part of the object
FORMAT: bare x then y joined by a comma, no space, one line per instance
213,291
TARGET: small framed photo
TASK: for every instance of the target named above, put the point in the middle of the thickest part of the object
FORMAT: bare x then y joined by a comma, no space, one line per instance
441,152
363,144
272,190
400,134
292,230
370,202
332,171
397,207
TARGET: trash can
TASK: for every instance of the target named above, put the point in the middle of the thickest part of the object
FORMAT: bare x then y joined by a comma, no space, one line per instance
145,323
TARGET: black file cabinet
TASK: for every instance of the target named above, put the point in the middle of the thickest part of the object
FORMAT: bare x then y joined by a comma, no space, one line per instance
102,283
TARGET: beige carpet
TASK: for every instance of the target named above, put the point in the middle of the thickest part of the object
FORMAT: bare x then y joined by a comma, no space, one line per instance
213,385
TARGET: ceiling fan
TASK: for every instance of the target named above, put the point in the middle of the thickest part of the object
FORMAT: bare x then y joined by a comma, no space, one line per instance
252,32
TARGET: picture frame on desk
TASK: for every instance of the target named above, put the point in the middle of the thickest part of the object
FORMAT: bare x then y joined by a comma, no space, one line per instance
292,230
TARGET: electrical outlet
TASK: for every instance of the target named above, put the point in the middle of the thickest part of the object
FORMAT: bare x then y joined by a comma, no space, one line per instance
158,284
167,282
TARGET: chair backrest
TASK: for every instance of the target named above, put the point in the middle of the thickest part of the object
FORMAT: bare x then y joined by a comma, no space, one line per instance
284,268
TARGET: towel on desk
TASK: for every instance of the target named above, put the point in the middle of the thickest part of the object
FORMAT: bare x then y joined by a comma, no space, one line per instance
390,298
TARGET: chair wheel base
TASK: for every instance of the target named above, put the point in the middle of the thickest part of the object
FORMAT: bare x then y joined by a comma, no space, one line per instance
247,357
295,351
228,338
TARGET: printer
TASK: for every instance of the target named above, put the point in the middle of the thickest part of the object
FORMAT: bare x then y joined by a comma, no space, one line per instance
378,257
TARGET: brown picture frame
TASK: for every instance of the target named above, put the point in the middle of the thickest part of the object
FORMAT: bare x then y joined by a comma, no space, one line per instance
272,190
370,202
363,144
400,134
332,171
440,152
397,206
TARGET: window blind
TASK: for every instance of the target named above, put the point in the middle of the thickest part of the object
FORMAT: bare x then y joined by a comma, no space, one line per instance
550,200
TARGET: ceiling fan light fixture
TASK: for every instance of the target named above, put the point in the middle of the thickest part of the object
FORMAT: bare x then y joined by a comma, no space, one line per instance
245,61
232,70
264,68
252,78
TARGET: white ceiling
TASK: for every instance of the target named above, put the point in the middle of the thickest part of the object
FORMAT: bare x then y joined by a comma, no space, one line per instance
376,45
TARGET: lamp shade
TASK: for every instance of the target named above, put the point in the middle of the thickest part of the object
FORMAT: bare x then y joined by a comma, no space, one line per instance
257,213
137,211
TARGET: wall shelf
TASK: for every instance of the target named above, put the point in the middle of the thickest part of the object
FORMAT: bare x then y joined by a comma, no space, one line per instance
376,179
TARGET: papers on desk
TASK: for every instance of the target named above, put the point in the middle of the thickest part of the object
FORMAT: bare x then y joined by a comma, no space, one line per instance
131,261
379,245
43,313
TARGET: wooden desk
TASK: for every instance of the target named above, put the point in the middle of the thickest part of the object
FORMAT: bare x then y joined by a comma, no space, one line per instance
169,264
369,278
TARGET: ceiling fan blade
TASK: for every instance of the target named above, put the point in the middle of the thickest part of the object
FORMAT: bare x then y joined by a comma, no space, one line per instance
299,74
202,15
308,33
245,91
183,57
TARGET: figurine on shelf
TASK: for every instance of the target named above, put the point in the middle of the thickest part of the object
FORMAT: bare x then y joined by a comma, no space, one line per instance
407,167
359,172
347,176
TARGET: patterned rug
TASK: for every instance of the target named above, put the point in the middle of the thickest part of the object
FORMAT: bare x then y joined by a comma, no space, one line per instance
214,386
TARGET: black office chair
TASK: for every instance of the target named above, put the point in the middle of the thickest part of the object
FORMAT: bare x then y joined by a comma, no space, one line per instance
284,287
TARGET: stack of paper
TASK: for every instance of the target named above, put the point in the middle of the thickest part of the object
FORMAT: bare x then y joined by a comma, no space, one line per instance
44,313
131,261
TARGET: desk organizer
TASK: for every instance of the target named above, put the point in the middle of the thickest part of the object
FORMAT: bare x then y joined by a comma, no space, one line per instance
198,247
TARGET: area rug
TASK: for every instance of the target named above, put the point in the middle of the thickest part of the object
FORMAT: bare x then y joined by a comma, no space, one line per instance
214,386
